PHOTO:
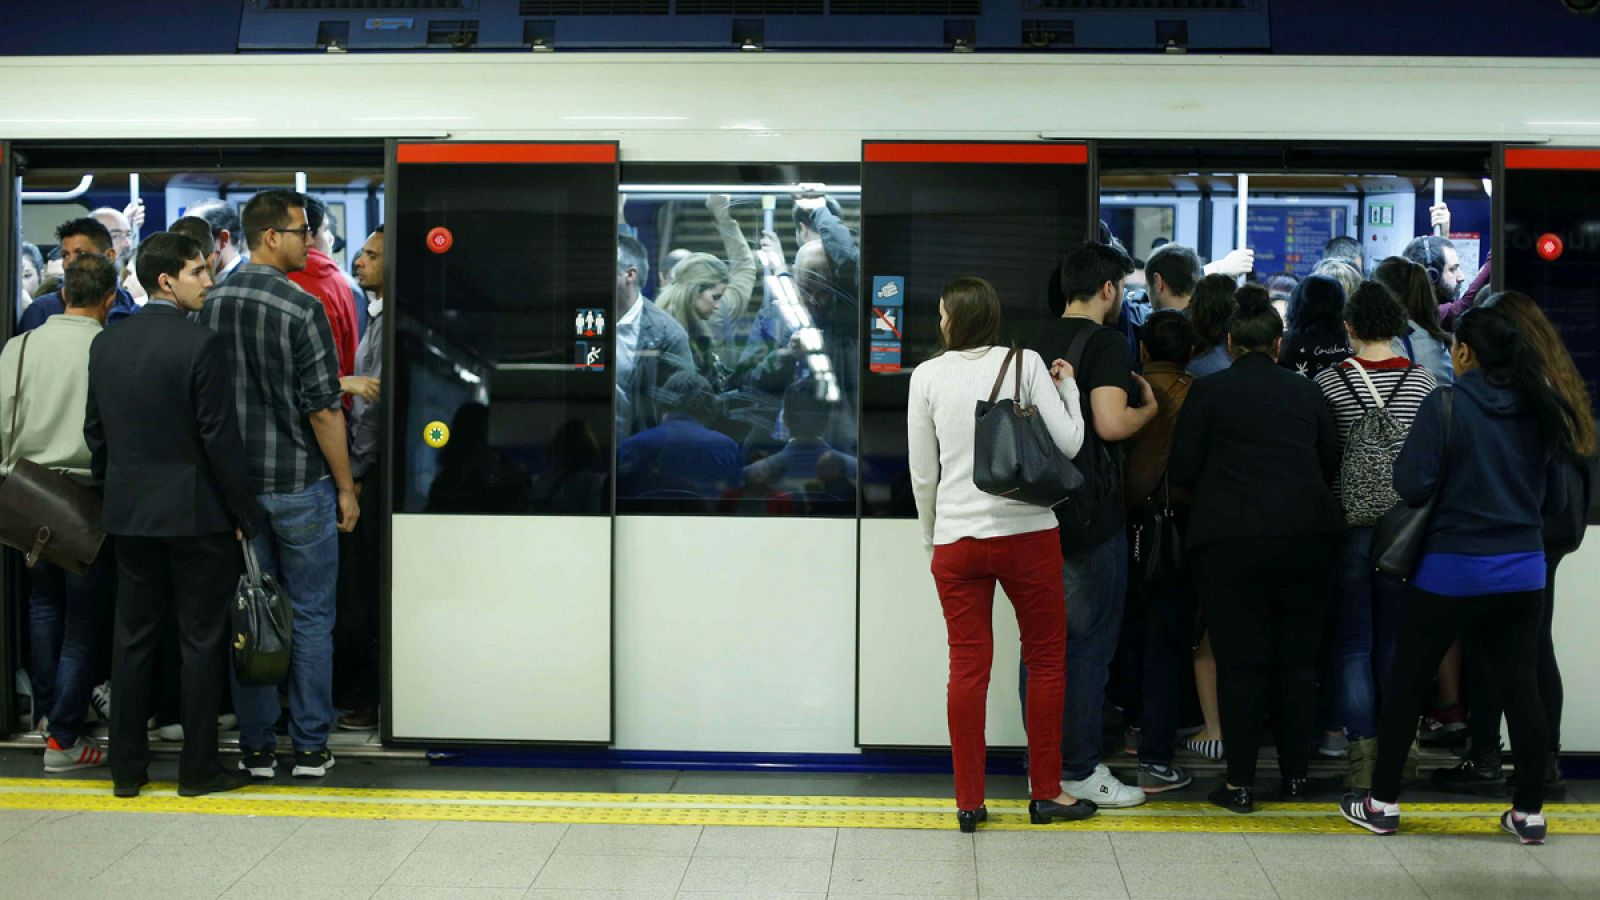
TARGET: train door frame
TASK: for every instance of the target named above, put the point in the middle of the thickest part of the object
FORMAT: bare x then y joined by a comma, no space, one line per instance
11,614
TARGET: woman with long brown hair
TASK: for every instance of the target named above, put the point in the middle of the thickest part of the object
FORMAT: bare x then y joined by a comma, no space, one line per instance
1425,342
1481,770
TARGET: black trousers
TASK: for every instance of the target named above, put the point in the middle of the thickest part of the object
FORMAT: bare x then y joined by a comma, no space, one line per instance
188,581
1504,631
1266,602
1483,715
357,657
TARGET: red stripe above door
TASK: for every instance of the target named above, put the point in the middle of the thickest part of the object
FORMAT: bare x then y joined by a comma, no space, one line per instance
978,153
506,153
1551,158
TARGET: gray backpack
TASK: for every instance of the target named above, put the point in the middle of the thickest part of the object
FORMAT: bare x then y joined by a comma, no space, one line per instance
1366,472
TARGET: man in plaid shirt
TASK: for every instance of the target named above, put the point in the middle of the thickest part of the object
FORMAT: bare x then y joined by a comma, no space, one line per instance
286,385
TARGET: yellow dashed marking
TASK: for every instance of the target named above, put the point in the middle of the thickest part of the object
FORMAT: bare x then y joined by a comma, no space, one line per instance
755,811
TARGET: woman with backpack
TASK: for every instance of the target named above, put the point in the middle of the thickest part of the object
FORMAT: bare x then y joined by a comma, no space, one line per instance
1374,397
976,539
1488,455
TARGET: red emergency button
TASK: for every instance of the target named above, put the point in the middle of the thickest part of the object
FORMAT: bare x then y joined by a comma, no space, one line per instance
440,239
1550,246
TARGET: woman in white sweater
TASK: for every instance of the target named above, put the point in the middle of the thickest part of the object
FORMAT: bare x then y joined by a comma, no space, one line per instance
976,539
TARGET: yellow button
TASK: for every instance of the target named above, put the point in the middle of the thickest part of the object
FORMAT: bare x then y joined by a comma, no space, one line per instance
436,434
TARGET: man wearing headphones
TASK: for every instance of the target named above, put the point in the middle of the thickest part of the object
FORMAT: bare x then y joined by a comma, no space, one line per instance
1439,257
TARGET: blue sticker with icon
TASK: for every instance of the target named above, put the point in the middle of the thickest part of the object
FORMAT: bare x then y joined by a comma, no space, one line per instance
888,290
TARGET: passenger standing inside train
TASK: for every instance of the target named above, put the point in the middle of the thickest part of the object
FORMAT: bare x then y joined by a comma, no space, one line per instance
285,374
357,654
1171,272
161,414
229,233
78,237
1374,397
1442,263
651,345
1210,309
1161,608
1257,446
1346,248
1492,463
44,385
1094,542
322,279
1481,771
694,299
724,323
1316,337
1424,342
976,539
198,230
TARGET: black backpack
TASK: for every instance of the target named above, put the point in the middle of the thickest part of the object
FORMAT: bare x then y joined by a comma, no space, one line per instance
1098,463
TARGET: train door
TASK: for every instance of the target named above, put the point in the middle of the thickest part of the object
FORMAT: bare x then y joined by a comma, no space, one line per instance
10,572
500,432
1550,232
932,212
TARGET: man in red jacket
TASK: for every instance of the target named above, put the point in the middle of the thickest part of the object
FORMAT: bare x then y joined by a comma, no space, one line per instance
323,280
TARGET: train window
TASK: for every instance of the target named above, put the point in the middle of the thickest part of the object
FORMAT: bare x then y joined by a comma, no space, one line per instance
737,287
503,394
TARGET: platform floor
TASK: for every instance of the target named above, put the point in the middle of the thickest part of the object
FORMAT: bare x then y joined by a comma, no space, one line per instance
405,829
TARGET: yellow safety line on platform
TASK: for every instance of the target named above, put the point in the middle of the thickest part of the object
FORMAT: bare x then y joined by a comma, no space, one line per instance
732,809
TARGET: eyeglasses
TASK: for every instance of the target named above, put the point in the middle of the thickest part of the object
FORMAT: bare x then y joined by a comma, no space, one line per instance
121,234
304,231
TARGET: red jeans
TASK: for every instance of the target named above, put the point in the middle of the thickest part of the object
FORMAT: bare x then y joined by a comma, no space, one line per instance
1028,568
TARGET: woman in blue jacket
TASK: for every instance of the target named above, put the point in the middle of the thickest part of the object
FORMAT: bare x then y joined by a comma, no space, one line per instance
1493,465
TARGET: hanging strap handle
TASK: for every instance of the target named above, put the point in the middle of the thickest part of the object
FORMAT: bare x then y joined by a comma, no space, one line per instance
1000,378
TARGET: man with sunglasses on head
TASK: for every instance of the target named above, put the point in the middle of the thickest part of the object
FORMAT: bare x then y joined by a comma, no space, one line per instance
285,372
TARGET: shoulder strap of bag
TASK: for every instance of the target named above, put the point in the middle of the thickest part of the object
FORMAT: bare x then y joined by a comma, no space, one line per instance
1000,378
1366,379
1076,349
252,566
1411,352
16,399
1395,391
1339,369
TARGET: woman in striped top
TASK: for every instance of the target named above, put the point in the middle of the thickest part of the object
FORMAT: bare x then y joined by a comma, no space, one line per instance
1367,613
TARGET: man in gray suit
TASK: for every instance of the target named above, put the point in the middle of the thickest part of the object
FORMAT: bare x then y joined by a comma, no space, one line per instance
651,345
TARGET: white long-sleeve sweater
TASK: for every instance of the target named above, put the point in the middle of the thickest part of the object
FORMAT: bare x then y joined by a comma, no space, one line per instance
939,425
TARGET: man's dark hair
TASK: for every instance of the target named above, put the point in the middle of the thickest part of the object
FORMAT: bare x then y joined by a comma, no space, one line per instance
1177,265
1256,324
632,255
88,281
164,254
316,212
269,209
689,394
85,227
802,215
1168,336
1374,313
1211,308
197,230
220,215
804,411
1089,267
1342,247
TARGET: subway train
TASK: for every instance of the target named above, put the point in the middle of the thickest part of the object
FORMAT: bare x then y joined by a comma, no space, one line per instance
531,595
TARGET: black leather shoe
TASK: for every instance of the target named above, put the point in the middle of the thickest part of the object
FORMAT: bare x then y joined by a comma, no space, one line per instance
1043,812
968,819
1295,789
216,784
1478,774
1239,800
129,788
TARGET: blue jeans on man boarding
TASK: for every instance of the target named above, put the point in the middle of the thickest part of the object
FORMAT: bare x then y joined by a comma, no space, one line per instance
1367,621
65,615
299,548
1096,583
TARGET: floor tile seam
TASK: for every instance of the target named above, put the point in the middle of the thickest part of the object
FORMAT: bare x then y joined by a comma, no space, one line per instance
433,826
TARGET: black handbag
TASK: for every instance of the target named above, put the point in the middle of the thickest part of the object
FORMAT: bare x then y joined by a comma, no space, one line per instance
263,619
1398,536
1013,454
44,513
1158,542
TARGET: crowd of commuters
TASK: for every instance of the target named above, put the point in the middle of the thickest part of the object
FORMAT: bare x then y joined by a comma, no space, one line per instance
1277,447
238,402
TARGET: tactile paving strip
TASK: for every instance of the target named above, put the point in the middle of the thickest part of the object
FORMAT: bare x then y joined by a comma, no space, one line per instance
752,811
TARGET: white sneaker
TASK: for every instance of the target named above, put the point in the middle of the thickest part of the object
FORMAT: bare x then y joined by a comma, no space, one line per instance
1104,790
170,732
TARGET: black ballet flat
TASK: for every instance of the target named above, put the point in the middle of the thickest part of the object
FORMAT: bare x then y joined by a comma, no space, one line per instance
968,819
1240,800
1295,789
1043,812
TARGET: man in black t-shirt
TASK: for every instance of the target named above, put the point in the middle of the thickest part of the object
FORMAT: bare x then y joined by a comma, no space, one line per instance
1116,404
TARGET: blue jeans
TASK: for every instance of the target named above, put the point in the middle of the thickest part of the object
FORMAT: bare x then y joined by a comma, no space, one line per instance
65,612
1366,634
299,548
1096,583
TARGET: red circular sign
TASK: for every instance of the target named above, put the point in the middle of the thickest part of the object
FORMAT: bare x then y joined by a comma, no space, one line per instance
440,239
1550,246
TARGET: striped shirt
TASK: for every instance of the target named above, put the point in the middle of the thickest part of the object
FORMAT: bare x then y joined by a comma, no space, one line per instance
285,367
1385,374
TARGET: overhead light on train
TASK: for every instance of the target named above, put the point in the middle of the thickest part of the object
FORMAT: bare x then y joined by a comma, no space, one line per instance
624,118
1567,124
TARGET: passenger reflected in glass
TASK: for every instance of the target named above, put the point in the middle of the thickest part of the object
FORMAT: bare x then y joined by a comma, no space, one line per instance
694,299
680,459
651,345
575,475
474,477
808,469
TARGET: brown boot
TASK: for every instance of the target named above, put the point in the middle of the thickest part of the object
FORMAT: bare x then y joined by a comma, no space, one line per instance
1363,762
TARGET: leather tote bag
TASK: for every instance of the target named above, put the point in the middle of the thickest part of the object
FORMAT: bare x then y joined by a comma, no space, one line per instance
1397,537
1014,456
45,514
262,618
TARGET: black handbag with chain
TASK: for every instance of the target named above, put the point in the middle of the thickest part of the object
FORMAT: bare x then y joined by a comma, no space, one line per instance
1158,542
1013,453
44,513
